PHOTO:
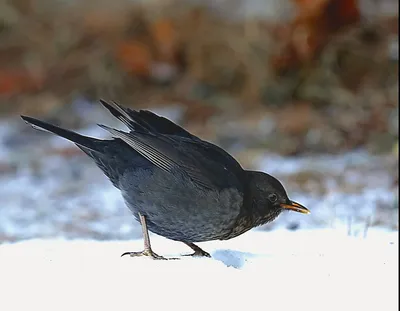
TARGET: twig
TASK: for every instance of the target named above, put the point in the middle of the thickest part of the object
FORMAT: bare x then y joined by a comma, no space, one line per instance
367,225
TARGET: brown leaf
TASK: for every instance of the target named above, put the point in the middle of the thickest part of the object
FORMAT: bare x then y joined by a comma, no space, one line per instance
135,57
14,81
165,37
315,23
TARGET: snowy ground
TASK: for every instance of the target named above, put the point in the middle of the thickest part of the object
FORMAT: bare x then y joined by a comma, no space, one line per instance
279,270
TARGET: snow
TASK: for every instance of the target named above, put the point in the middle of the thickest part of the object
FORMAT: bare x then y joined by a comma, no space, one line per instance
320,269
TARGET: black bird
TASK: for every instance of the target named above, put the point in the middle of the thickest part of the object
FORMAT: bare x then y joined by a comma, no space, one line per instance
177,185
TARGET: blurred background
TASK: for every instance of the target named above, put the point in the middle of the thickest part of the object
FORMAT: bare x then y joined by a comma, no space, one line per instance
306,90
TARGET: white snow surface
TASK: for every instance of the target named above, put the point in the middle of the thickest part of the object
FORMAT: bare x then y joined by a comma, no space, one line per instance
320,269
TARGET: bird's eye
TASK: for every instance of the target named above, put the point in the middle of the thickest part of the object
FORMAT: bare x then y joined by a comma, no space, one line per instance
273,197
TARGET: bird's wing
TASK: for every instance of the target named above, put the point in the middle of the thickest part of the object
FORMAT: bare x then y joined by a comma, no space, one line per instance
204,163
146,120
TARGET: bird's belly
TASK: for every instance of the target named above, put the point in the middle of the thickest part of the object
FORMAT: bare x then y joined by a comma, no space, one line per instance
189,230
179,210
186,222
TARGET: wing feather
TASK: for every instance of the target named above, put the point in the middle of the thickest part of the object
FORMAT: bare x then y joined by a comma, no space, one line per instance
174,150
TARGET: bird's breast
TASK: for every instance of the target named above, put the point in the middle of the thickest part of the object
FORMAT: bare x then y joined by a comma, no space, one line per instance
178,209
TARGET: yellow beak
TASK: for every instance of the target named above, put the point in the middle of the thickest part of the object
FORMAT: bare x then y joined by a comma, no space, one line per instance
296,207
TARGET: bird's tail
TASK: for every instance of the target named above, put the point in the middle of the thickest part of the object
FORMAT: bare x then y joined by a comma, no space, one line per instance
80,140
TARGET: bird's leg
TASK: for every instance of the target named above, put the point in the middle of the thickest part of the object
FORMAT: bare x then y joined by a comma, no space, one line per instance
147,246
198,252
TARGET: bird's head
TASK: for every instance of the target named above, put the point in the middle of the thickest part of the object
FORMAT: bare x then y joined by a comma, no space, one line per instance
269,197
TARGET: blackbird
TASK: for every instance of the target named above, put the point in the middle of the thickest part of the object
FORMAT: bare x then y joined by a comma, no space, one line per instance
176,184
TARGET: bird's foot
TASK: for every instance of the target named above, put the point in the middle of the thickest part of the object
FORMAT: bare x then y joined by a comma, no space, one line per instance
147,253
199,253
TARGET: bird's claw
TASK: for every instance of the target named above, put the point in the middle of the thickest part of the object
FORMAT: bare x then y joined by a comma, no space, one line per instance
199,253
147,253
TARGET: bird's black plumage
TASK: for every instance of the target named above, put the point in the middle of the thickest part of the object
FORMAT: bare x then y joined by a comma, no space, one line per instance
177,185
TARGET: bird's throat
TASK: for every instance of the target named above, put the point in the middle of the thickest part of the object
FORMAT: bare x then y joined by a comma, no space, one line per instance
259,220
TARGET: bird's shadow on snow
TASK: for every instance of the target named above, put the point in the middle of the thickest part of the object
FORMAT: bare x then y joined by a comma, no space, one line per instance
232,258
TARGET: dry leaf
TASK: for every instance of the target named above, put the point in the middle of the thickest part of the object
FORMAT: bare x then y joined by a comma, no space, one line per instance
12,82
135,57
165,37
316,22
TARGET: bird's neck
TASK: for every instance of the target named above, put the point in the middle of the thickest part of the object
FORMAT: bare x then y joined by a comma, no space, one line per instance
255,211
248,220
262,219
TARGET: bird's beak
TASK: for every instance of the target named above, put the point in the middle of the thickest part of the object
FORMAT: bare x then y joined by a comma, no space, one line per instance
295,207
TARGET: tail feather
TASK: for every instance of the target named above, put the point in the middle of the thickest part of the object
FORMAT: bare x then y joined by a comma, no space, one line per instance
80,140
112,156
